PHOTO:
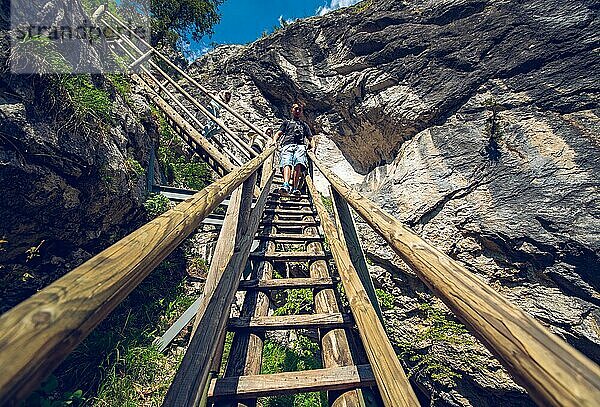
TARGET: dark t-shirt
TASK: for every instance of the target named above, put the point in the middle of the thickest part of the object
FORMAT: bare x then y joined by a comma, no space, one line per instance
294,132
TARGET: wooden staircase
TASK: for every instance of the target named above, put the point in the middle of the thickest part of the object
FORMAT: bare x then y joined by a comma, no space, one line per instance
290,237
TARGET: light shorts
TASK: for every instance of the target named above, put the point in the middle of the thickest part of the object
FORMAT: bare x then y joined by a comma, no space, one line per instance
292,155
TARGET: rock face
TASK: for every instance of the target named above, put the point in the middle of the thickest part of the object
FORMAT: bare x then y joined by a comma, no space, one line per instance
70,185
474,122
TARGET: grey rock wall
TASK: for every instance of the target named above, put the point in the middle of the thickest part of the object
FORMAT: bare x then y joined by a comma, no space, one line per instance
474,122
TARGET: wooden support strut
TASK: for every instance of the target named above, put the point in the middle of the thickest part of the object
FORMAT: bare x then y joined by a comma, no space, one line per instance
37,334
192,377
553,372
391,380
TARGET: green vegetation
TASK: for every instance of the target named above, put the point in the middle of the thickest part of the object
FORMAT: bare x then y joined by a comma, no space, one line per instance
45,397
85,99
117,365
133,167
301,355
386,300
37,53
156,205
296,301
121,84
328,203
437,338
362,6
179,170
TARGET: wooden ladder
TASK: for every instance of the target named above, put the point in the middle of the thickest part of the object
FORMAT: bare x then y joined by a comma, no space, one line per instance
288,223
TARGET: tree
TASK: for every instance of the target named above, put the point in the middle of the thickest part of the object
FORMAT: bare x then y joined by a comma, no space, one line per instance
174,19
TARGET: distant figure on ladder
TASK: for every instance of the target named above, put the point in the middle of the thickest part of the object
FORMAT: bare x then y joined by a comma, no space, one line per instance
295,136
212,128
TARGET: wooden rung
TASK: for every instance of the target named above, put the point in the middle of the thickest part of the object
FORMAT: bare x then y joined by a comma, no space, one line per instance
282,211
324,321
335,378
290,222
285,283
278,202
290,237
289,196
290,256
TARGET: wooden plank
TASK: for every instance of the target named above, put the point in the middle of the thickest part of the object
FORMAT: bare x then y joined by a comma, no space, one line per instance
337,378
285,283
190,382
286,222
349,239
279,211
289,237
553,372
322,321
286,203
36,335
290,256
391,380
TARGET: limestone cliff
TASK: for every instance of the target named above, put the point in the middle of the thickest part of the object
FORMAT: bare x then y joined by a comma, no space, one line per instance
475,122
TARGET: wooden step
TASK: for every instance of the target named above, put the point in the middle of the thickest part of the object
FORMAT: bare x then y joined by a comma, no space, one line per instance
282,211
335,378
271,323
290,256
290,237
286,283
289,196
290,222
286,203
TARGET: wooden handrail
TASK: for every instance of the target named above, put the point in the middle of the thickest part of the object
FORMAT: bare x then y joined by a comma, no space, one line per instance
37,334
391,380
553,372
192,379
189,78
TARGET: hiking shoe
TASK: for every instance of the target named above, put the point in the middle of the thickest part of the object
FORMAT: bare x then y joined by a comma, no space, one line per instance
296,192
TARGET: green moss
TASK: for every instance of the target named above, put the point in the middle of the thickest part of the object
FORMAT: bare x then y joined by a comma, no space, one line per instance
386,300
437,338
85,98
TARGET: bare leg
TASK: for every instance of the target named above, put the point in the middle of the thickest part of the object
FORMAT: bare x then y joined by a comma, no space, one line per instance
287,173
298,175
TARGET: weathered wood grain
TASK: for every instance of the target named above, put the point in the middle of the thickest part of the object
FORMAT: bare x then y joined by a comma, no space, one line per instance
349,239
290,256
39,333
325,321
290,237
337,378
391,380
553,372
286,283
192,377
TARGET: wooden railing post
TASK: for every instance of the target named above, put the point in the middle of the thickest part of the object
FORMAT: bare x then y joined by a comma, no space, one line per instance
192,377
391,380
553,372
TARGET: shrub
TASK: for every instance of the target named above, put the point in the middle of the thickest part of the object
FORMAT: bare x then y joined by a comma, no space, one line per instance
386,300
156,205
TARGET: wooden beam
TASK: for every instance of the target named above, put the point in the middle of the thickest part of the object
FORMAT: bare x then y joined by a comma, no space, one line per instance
290,223
553,372
36,335
349,239
192,377
290,237
290,256
337,378
286,283
335,346
306,321
391,380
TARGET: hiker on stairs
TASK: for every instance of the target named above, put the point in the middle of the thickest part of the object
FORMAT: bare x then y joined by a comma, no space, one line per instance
295,137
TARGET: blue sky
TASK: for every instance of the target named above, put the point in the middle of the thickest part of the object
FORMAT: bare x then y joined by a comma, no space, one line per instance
244,21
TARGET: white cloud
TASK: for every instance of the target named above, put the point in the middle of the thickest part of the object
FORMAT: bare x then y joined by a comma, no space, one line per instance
334,5
283,21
